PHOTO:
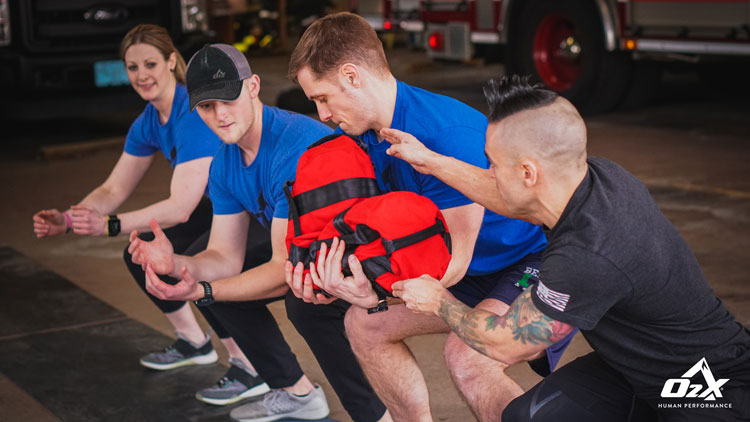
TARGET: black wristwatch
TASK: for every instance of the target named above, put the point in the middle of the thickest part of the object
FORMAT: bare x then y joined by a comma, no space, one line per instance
381,306
113,225
208,295
382,303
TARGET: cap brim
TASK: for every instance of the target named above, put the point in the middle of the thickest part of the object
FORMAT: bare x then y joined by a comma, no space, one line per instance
222,91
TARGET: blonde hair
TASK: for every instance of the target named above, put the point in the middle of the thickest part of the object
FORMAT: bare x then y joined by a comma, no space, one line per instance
337,39
158,37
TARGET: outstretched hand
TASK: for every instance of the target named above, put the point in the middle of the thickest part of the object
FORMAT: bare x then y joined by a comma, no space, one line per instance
327,274
302,286
158,253
185,289
49,223
407,148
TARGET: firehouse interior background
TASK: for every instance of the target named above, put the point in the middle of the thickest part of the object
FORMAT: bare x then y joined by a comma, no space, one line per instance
672,108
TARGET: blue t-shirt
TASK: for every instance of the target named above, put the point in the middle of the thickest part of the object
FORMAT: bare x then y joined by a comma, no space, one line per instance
451,128
259,187
183,138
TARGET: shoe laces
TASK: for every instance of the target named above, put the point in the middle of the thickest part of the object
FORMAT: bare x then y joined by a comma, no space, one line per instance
277,401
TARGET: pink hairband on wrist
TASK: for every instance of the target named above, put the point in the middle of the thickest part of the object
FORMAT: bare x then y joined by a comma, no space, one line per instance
69,223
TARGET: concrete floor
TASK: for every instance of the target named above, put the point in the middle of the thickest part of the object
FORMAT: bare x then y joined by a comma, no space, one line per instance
691,148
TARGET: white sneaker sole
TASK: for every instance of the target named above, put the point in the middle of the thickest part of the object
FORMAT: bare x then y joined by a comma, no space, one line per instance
256,391
302,414
206,359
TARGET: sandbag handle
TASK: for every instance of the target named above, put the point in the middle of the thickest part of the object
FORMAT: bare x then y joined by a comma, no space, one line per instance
362,235
373,268
335,192
392,246
360,143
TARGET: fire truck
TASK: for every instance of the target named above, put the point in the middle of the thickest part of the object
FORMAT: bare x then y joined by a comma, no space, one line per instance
390,15
60,57
598,53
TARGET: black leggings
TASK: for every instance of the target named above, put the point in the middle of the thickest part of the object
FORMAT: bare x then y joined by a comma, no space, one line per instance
249,323
187,238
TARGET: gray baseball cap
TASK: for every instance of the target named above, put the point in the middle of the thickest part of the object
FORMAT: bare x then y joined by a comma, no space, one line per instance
216,72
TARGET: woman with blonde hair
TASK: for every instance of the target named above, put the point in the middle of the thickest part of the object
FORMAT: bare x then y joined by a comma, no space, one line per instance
156,71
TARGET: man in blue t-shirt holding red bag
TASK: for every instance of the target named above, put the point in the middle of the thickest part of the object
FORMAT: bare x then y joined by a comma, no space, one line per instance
494,257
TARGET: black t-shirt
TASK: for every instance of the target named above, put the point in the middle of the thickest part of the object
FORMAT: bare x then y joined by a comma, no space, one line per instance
618,270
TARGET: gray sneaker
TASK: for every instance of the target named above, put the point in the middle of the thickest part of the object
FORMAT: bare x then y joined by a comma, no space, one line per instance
279,404
239,383
181,353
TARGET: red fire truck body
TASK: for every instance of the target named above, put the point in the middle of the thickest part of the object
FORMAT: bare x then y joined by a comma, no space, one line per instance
591,51
390,15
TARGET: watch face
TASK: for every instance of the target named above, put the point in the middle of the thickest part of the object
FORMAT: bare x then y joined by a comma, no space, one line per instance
113,225
205,301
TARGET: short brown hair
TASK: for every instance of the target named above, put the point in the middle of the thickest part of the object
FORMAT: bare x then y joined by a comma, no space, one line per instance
158,37
334,40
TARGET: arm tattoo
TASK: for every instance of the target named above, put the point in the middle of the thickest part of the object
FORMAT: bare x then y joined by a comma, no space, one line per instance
529,324
524,321
494,320
462,321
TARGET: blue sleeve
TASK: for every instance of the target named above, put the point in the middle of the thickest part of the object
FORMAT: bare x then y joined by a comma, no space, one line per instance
460,142
277,196
137,141
283,169
221,197
194,139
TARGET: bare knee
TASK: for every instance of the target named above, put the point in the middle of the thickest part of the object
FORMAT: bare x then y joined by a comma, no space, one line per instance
455,348
465,362
362,329
457,357
390,328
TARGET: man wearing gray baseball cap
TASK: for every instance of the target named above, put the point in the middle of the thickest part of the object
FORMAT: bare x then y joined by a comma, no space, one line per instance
216,72
262,145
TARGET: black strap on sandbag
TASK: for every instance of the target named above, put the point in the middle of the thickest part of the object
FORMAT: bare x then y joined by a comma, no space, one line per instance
299,254
332,193
293,212
333,136
361,235
323,140
373,268
402,242
340,225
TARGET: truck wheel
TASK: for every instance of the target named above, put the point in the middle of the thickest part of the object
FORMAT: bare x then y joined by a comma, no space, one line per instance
561,44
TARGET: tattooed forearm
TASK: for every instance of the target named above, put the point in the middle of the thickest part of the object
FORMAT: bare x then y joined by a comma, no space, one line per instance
529,324
492,334
462,321
494,320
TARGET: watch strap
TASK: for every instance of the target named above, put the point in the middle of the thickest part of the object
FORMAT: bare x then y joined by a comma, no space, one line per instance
113,225
382,303
208,295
